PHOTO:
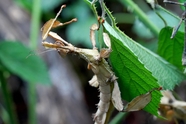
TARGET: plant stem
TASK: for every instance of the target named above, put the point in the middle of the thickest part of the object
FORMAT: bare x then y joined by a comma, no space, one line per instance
35,25
168,12
8,100
142,16
92,6
117,119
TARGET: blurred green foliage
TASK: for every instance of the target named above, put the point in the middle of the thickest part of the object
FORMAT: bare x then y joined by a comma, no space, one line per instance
46,5
17,61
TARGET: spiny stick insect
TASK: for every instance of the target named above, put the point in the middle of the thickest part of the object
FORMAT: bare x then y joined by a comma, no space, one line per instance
183,18
103,78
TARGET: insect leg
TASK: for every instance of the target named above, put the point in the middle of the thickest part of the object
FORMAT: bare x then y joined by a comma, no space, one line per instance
92,35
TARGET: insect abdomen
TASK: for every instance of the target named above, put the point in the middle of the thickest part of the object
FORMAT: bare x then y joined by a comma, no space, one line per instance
103,105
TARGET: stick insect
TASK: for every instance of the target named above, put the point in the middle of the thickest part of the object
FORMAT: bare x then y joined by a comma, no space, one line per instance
175,29
104,77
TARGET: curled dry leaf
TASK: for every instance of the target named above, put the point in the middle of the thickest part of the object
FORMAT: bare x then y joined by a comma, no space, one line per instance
140,102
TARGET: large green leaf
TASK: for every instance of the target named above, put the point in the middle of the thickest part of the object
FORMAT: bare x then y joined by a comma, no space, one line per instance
132,63
13,56
171,49
134,79
167,74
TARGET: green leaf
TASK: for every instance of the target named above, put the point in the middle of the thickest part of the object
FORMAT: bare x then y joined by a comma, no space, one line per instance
134,79
133,64
167,74
13,56
182,7
171,49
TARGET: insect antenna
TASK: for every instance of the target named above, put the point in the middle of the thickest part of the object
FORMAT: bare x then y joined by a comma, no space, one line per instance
34,54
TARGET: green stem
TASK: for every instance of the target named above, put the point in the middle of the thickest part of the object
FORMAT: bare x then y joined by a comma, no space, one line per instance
159,15
112,19
168,12
92,6
142,16
8,99
118,118
35,25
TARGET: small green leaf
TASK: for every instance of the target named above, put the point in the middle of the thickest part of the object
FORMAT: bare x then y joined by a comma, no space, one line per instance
182,7
13,56
171,49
